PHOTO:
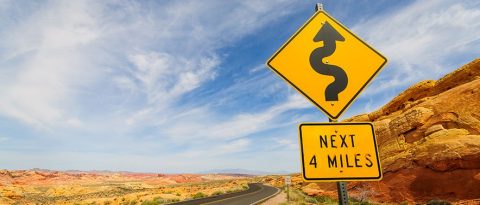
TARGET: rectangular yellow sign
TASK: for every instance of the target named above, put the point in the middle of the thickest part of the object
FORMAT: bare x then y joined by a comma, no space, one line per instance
339,152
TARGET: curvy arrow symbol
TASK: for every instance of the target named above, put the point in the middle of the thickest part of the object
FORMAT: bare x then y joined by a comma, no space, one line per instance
329,36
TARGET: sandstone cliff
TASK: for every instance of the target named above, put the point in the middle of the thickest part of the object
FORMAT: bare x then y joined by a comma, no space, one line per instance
429,142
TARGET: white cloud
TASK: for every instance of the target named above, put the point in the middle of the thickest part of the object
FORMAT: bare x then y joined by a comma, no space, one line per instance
201,125
287,143
420,39
38,89
162,79
65,59
114,73
162,76
245,124
234,146
190,59
217,149
257,68
117,69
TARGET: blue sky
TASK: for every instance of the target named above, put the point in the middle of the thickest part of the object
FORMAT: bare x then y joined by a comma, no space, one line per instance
181,86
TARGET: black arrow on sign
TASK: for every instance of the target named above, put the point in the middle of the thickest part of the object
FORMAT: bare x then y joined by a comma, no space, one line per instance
329,36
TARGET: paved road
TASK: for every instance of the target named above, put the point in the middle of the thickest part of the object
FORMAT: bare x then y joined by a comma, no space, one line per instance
256,193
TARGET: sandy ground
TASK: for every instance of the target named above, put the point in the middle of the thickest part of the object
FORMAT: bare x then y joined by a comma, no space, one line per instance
279,198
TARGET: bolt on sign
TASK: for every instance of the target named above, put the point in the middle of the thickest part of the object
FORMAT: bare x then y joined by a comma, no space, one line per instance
327,63
339,152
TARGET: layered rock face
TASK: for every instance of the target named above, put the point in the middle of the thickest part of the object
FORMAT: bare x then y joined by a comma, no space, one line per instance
429,139
429,142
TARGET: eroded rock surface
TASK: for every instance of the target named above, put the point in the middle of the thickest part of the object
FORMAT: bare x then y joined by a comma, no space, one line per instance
429,142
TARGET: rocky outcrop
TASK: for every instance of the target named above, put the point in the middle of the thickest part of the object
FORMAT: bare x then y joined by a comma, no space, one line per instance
429,141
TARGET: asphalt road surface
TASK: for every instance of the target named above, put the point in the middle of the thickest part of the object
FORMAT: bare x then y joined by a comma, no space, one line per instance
255,194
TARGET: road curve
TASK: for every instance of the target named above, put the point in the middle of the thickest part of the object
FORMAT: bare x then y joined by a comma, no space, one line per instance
255,194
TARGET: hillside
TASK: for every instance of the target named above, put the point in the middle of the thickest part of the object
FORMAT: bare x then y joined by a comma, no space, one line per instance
429,143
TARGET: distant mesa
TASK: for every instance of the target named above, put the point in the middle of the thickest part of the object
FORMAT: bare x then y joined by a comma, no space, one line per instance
245,172
41,186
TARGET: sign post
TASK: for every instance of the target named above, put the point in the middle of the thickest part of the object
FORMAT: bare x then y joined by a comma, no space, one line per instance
331,66
288,181
342,191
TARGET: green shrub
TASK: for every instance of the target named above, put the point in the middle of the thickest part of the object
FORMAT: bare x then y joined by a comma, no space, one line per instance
438,202
155,201
311,200
149,202
297,196
199,195
217,193
325,200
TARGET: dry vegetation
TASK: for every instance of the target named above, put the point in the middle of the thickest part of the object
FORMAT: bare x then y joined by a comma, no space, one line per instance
37,187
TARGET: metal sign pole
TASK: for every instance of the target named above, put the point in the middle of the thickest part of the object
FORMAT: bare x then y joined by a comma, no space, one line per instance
287,186
341,186
288,193
342,193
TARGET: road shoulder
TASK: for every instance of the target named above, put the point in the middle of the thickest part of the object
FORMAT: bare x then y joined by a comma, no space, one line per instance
276,199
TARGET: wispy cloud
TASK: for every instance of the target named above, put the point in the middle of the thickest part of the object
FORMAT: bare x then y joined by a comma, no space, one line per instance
118,69
200,125
257,68
162,79
165,52
43,60
110,83
287,143
420,40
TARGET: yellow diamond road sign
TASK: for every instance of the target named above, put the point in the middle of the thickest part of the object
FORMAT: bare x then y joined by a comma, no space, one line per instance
327,63
339,152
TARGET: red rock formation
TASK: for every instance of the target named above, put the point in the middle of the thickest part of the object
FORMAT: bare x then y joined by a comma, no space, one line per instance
429,142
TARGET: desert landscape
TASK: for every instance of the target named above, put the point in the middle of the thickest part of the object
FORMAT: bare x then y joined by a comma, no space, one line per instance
428,138
240,102
96,187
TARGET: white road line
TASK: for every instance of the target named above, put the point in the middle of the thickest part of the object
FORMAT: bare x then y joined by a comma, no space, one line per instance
261,188
266,198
